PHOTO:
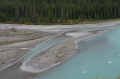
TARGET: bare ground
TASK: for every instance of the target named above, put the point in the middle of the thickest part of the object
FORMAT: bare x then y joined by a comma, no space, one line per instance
14,44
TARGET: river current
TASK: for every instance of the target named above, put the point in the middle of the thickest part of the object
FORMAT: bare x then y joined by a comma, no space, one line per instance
98,58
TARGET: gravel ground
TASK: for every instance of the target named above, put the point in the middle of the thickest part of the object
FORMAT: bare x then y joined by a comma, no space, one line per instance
57,53
14,44
25,45
10,56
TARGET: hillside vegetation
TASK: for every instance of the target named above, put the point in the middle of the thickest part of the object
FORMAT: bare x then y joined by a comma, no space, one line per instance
57,11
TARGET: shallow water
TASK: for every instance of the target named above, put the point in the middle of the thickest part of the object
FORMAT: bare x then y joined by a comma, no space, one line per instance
14,71
98,57
42,46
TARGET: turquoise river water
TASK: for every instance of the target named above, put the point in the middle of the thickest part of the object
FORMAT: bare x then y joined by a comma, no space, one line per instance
98,58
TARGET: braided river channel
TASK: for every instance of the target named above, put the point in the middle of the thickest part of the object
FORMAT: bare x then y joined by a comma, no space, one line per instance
98,58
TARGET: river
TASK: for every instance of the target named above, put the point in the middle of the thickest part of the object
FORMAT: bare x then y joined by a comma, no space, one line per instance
98,58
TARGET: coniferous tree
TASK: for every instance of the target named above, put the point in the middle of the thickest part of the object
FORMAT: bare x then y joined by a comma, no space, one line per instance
57,11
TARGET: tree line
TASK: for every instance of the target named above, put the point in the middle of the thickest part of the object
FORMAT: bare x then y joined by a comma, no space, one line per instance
58,11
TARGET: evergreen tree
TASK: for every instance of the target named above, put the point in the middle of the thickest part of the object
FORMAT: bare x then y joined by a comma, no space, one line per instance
57,11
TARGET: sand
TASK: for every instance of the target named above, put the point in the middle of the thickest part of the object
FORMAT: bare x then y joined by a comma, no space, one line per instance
58,53
50,57
15,44
9,57
59,28
51,29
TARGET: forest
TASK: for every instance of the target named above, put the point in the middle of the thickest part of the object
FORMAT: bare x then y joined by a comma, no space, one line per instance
57,11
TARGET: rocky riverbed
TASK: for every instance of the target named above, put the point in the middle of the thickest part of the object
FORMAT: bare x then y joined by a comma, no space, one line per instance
19,37
15,43
57,53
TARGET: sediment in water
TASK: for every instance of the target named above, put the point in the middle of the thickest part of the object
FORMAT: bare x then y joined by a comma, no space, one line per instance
56,54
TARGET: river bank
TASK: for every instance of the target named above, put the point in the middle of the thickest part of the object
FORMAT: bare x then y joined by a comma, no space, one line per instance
9,57
71,22
57,29
57,53
16,43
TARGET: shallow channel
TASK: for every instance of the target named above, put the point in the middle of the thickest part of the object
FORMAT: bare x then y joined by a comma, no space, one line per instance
98,57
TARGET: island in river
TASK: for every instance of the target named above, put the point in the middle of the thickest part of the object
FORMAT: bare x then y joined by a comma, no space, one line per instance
60,53
16,43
